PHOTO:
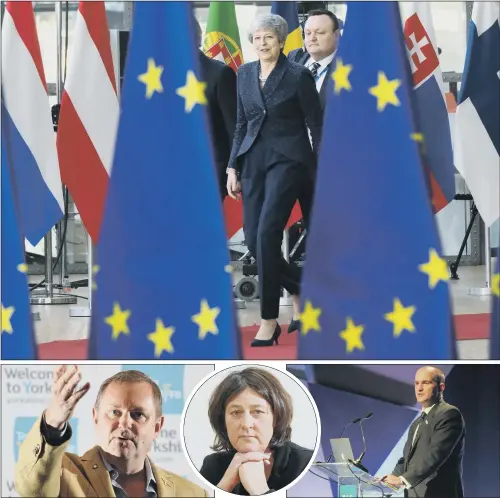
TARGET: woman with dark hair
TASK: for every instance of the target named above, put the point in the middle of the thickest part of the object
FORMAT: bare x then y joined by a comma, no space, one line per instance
273,163
251,414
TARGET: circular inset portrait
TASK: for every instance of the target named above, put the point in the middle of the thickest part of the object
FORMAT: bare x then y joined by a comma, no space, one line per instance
251,430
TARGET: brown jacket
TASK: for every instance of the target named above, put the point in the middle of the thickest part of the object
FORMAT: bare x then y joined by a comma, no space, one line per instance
48,471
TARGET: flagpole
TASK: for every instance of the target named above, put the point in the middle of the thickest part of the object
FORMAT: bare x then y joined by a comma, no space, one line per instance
485,291
47,296
286,300
83,311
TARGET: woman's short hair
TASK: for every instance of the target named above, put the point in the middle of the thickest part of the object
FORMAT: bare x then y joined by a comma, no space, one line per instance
265,385
269,22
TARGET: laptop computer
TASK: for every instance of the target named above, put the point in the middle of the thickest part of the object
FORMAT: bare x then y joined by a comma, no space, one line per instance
341,450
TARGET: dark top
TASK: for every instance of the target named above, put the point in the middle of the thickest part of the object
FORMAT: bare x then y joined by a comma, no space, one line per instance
289,462
279,112
433,464
300,56
221,97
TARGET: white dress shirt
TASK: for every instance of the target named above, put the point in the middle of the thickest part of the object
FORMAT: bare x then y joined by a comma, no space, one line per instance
322,70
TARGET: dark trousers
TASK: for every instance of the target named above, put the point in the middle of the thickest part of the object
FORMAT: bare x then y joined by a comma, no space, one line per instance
271,184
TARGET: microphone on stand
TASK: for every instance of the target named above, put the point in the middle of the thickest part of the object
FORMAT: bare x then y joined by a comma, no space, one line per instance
358,461
354,421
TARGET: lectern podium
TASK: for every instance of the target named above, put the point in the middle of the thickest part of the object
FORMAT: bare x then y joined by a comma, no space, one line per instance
351,481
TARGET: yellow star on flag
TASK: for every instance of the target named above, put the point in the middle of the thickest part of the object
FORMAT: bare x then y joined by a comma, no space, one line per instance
385,91
6,317
193,91
162,338
205,320
152,78
435,268
23,268
400,317
352,336
118,321
309,318
340,77
495,284
418,137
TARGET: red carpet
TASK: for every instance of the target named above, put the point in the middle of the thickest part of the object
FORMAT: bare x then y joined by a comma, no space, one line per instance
467,327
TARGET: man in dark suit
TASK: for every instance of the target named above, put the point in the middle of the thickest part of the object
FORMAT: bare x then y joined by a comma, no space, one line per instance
221,97
431,465
321,37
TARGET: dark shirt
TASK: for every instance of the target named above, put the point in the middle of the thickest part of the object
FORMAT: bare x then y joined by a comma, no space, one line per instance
289,462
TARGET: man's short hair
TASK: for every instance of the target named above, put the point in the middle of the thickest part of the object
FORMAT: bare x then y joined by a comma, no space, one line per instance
438,376
132,377
325,12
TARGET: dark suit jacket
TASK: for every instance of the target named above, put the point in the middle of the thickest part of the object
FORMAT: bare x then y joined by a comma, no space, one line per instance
433,465
300,56
221,96
278,112
289,462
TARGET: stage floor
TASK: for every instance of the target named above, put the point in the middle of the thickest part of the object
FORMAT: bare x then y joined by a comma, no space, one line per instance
471,319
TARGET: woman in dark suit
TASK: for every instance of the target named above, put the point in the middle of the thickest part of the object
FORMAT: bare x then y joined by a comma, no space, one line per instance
251,414
273,162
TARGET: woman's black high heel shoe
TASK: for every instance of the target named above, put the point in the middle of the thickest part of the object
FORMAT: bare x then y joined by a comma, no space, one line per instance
294,325
267,342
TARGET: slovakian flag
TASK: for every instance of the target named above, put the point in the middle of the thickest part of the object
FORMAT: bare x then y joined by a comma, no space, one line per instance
29,125
431,111
477,120
89,114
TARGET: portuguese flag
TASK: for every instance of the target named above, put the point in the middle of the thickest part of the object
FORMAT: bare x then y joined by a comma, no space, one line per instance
222,39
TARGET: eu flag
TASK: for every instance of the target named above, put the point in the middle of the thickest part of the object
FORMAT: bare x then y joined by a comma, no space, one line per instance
17,334
288,11
495,314
375,283
163,283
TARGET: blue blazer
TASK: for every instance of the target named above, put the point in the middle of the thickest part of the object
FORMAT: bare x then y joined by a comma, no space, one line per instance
281,112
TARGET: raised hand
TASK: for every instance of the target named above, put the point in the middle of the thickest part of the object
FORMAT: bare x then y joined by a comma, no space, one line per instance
64,396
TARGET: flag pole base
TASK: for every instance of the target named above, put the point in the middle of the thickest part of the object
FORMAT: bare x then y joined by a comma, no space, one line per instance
240,304
480,291
80,311
54,299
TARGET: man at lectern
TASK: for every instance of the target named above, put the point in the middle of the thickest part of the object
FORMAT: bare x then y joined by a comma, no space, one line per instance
431,465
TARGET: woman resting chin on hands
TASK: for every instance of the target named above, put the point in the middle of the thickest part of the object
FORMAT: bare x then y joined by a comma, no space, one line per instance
251,414
251,469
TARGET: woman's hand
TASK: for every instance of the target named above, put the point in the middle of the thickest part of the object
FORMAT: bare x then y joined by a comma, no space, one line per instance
231,477
233,185
253,477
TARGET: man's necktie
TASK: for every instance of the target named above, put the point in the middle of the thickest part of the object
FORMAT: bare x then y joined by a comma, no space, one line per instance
419,425
314,68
